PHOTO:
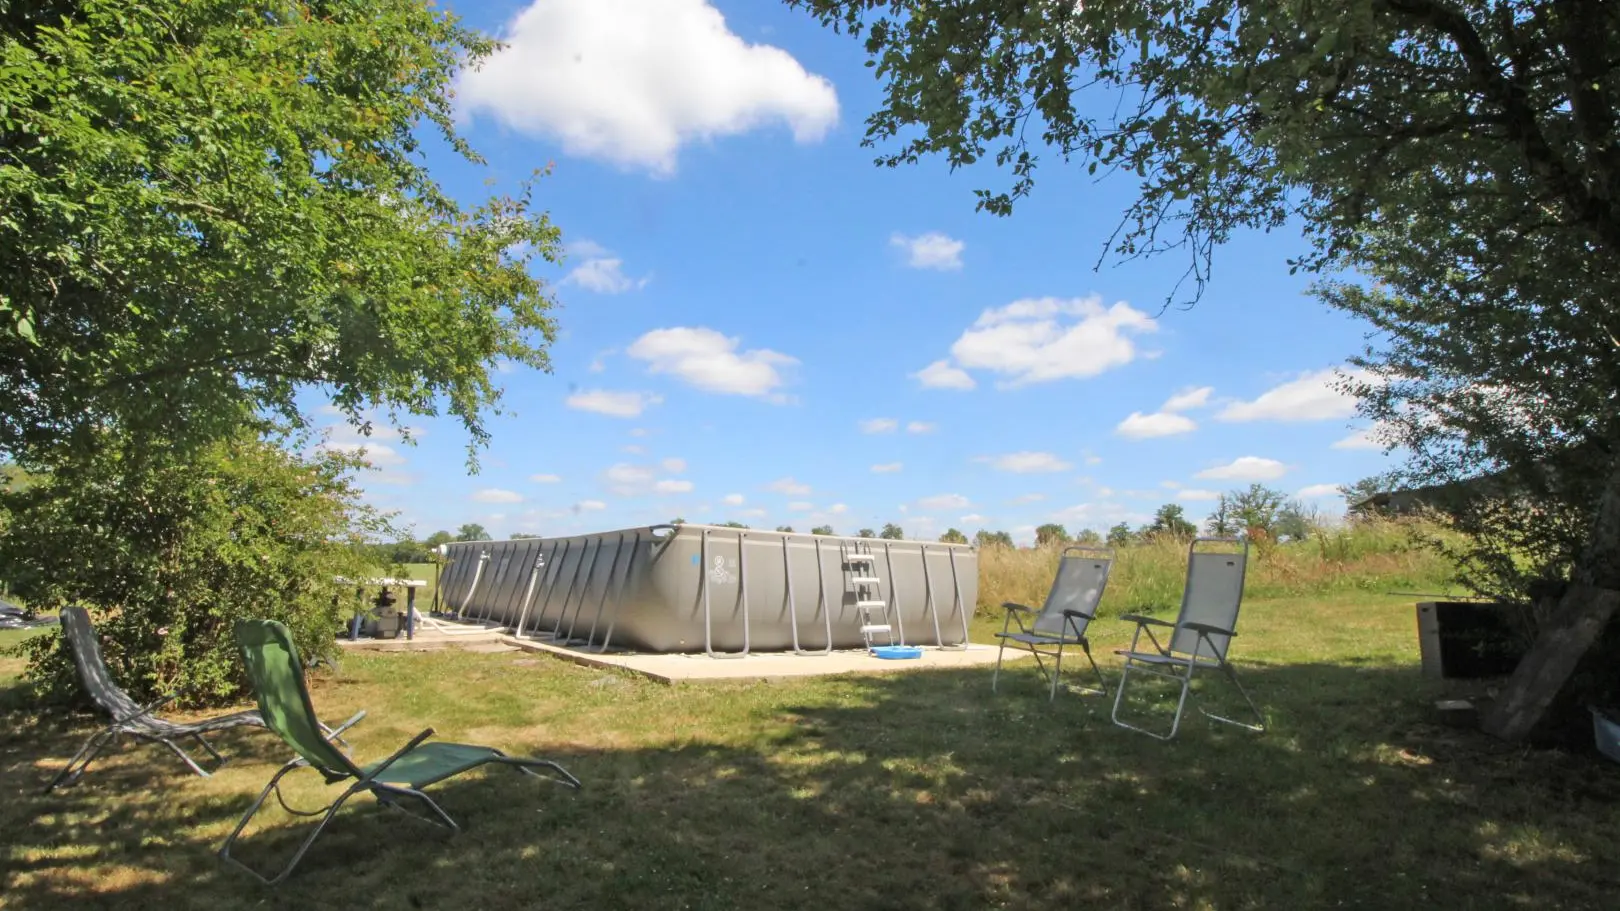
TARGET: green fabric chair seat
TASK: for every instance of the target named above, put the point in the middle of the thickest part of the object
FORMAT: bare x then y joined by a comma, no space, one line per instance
431,762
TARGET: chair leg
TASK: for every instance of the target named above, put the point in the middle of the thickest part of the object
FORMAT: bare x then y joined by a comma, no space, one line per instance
528,766
995,676
1102,683
1175,724
1057,673
1260,718
184,757
331,811
385,795
87,754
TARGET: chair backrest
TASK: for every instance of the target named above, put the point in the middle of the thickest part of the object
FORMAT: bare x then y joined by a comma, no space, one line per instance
277,677
1213,594
1081,576
92,667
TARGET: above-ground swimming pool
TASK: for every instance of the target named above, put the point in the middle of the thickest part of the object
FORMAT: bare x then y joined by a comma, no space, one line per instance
719,590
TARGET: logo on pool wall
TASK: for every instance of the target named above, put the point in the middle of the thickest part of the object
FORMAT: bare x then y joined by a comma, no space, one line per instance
722,571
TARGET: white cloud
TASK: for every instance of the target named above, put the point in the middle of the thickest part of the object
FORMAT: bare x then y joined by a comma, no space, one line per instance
674,466
1038,340
1139,426
1310,397
790,487
544,478
837,509
1028,498
1170,485
635,449
378,454
879,425
941,375
1026,462
638,431
752,513
1193,493
801,506
627,480
709,360
970,518
604,276
613,404
1192,397
631,81
393,478
1318,491
921,427
590,506
932,250
888,467
1246,468
1093,459
496,495
944,501
1361,439
1097,515
733,499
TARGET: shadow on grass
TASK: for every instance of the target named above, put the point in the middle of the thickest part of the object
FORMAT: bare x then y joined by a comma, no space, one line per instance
919,790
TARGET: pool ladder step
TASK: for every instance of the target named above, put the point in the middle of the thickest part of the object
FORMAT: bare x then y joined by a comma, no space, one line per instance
867,588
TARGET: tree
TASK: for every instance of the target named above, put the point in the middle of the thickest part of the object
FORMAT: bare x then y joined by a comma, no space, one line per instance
472,531
167,552
953,536
205,212
1051,535
1088,536
1254,511
891,532
732,524
1460,155
523,536
1120,535
1356,495
1296,521
785,528
983,539
435,540
1171,519
1222,522
822,530
677,521
866,533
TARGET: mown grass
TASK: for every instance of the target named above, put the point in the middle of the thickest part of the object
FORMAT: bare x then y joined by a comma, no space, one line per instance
1373,557
915,790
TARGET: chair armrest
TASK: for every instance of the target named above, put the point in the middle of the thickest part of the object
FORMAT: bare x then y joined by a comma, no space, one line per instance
1072,613
1208,629
1012,605
333,733
1142,620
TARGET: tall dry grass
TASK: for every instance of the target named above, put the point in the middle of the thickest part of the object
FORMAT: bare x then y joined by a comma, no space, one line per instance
1369,555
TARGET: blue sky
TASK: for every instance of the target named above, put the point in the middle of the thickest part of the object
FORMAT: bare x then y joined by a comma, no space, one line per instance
759,324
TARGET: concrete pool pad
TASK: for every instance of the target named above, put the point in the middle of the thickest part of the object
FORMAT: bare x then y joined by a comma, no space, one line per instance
683,668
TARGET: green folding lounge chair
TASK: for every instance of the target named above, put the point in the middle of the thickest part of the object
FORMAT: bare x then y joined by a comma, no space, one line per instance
1070,607
278,680
1201,635
138,721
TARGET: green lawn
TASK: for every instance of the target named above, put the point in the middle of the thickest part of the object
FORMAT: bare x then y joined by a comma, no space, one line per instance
917,790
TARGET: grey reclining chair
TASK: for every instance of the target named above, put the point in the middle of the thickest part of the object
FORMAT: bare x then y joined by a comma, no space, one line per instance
136,720
1201,634
1070,606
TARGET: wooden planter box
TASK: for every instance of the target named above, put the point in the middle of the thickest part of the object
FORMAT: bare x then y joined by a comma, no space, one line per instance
1469,639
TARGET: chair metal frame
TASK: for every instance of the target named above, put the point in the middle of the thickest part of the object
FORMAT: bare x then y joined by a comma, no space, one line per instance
1072,629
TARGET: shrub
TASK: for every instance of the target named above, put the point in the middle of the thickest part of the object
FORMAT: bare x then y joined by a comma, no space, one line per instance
1371,555
166,554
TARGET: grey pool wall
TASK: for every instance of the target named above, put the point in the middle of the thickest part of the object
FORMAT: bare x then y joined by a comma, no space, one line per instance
710,589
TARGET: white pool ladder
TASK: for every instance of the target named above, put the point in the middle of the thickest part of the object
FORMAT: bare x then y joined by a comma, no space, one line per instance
862,580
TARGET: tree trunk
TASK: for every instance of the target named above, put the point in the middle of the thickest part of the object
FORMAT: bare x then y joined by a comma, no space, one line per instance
1572,628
